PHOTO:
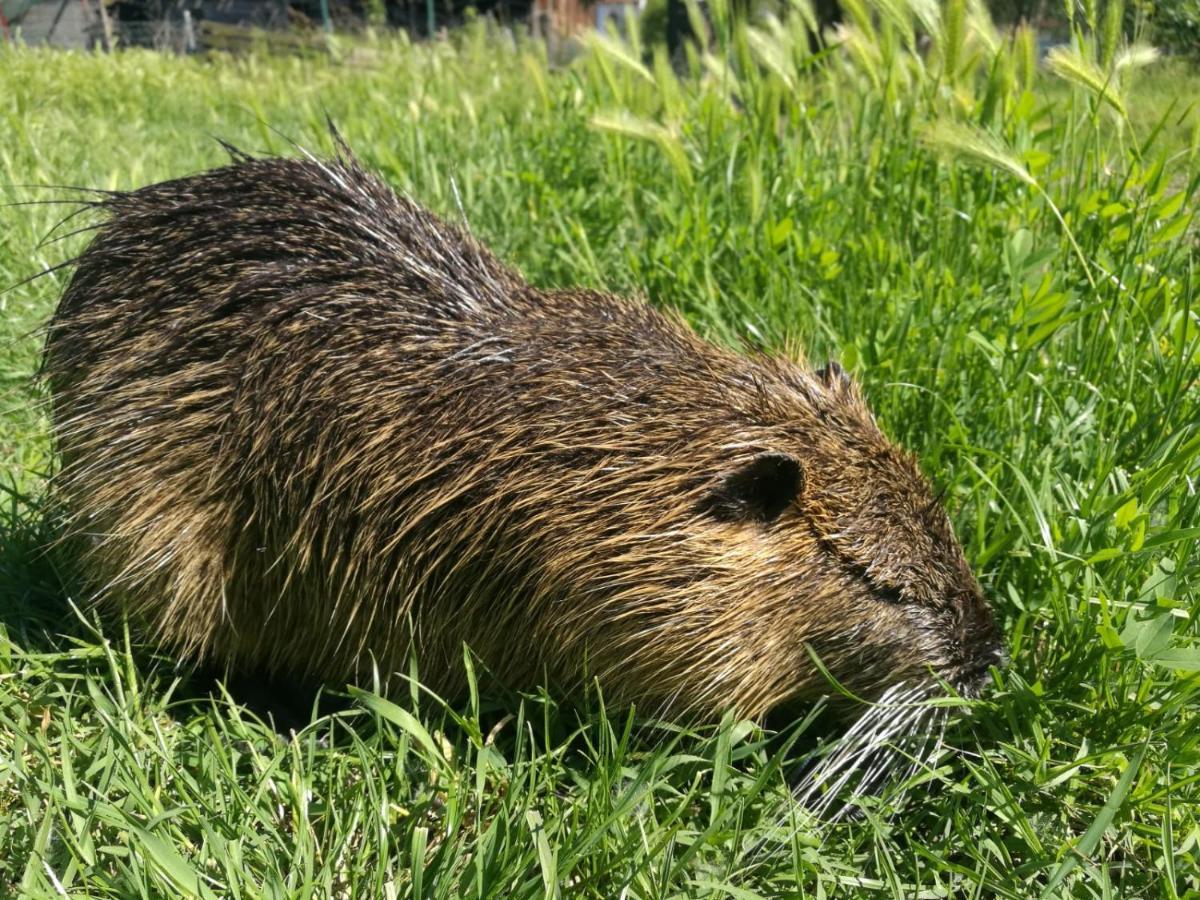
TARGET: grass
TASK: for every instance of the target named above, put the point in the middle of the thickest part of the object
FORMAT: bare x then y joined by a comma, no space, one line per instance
1006,258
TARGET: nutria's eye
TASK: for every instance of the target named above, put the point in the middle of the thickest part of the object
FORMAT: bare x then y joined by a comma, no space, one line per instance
758,491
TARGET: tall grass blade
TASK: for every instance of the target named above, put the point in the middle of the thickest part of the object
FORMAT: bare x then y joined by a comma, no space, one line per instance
630,126
1069,64
958,141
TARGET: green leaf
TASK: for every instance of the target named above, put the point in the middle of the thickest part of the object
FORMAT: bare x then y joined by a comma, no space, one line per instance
1148,636
782,231
1172,536
173,866
1161,583
420,839
1019,247
400,717
1186,659
1126,513
546,858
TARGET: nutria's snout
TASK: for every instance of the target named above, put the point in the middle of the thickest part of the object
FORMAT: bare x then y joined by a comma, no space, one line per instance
981,646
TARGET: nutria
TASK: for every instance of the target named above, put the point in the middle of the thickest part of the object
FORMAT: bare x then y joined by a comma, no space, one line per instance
309,428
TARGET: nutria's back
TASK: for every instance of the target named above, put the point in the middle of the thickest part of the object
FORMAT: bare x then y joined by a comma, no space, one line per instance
307,426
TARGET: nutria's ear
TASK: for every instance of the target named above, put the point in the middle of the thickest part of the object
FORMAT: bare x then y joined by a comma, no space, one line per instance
758,490
833,375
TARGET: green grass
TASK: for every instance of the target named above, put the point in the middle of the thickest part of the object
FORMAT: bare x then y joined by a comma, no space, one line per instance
1016,286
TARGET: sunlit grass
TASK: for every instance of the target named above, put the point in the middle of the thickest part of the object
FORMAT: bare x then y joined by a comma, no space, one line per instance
1024,318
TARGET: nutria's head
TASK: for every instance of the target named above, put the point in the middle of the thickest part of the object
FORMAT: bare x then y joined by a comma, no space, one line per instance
807,533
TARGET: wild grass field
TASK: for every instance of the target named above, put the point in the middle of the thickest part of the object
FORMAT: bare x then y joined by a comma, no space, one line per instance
1002,249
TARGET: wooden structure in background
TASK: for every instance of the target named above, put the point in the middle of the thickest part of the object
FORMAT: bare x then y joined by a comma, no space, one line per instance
567,17
186,26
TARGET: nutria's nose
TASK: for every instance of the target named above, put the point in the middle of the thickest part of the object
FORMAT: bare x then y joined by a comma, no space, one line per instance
980,639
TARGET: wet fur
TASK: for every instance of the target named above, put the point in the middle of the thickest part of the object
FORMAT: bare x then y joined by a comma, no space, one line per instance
306,426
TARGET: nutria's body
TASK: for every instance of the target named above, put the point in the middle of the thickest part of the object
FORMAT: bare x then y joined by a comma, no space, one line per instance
306,426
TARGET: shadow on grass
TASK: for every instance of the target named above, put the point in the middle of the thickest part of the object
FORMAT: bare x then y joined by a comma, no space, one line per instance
43,613
35,605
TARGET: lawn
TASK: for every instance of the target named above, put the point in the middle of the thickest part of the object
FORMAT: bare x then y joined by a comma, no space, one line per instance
1002,251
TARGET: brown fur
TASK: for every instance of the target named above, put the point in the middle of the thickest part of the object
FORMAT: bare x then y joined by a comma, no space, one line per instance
306,426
